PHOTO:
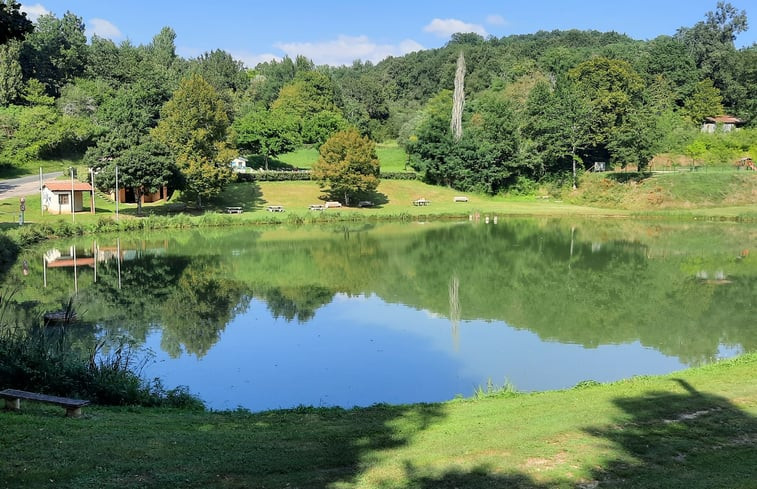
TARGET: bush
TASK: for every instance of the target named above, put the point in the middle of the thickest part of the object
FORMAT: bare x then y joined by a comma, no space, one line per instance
43,360
274,176
397,175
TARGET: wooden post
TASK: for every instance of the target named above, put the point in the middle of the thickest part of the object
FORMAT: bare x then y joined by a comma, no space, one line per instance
92,178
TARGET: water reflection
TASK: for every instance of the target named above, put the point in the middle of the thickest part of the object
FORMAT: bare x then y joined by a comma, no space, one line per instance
615,290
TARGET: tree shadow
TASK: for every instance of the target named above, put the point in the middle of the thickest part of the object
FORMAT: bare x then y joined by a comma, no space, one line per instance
633,176
686,439
378,199
478,477
258,162
11,171
247,195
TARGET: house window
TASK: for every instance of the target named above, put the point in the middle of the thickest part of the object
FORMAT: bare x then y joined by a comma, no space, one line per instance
63,199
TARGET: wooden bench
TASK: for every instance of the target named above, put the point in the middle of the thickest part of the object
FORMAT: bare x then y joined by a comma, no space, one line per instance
461,198
13,401
333,205
365,203
233,210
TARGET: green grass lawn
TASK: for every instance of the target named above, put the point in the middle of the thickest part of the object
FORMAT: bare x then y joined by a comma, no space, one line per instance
695,429
394,198
24,168
392,157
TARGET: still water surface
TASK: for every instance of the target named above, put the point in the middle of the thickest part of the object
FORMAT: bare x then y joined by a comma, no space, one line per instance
356,314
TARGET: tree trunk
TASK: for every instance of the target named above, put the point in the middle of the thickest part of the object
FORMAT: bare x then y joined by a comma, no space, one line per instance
265,158
458,102
138,196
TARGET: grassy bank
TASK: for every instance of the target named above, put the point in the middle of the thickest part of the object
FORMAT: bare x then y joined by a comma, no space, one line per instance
692,429
724,195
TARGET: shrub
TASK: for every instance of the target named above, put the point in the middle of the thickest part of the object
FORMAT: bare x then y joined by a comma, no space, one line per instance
43,360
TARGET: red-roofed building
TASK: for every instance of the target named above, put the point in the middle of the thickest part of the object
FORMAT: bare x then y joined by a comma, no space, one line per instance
58,195
724,123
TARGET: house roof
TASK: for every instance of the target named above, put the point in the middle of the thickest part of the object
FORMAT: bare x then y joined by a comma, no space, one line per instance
64,186
724,119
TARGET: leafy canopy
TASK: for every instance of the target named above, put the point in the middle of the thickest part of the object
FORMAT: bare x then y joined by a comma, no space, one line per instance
348,166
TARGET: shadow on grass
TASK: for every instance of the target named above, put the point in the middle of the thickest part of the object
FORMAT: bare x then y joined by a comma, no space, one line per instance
688,440
681,440
11,171
633,176
9,251
247,195
258,162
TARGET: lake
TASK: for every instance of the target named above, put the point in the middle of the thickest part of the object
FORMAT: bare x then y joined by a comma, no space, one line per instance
355,314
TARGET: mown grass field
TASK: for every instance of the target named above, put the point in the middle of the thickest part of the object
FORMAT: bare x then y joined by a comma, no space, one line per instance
692,429
391,156
394,198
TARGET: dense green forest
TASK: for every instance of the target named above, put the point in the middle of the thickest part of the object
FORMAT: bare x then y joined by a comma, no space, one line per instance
532,107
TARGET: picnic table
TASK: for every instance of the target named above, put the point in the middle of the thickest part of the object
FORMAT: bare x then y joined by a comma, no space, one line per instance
421,202
233,210
275,208
317,207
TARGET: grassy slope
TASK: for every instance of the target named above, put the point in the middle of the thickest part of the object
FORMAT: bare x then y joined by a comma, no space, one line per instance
693,429
391,156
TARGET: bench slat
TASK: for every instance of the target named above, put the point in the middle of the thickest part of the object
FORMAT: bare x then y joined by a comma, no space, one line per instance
33,396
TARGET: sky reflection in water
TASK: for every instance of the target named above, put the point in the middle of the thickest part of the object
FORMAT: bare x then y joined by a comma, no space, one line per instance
356,314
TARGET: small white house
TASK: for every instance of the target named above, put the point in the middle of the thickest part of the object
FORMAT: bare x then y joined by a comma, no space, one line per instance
239,164
58,196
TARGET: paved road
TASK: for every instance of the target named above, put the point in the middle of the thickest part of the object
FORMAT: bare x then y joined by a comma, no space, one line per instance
18,187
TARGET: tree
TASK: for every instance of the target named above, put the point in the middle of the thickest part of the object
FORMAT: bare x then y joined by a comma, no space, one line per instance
13,22
194,124
633,143
458,99
704,102
11,76
306,99
347,166
613,87
266,133
710,42
670,59
145,168
695,150
320,126
56,52
221,70
559,122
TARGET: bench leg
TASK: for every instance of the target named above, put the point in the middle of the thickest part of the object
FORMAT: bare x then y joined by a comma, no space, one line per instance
13,404
73,412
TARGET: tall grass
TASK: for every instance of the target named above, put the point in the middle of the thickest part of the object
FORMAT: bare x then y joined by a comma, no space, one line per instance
493,390
42,359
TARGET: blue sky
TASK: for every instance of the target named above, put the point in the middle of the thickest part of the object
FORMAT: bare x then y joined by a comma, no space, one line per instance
337,32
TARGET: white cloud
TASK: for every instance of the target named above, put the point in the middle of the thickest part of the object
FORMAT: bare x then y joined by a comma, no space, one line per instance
34,12
345,49
495,19
447,27
251,60
103,28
